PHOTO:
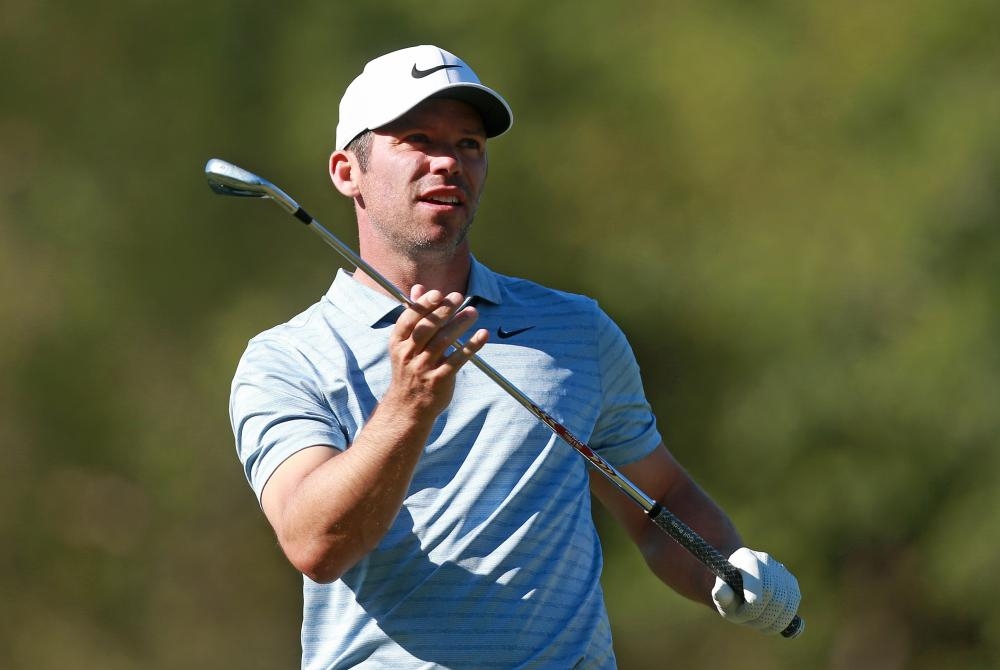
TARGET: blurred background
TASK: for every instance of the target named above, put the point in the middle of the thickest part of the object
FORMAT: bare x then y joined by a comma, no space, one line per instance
791,208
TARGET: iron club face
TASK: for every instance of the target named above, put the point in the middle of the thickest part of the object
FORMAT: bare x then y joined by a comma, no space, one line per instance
227,179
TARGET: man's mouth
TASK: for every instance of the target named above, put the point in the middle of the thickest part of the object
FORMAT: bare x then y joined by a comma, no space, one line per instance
448,196
442,200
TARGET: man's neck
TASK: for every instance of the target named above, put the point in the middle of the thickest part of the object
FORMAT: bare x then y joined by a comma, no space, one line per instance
447,277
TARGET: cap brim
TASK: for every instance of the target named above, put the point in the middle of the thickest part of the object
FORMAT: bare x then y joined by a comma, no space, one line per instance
496,113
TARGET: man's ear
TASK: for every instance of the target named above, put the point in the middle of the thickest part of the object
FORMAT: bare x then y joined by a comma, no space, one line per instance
343,167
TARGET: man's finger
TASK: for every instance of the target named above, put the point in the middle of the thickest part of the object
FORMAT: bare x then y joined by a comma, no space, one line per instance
416,291
423,305
723,595
445,337
461,355
430,326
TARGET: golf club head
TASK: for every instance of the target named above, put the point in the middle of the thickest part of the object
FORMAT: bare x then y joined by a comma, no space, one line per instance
225,178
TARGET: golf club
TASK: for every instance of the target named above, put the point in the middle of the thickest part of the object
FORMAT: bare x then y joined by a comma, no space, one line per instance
227,179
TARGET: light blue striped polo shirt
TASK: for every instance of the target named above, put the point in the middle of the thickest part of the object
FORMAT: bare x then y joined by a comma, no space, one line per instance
493,561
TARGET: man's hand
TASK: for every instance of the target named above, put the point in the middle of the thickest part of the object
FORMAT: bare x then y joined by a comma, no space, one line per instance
331,508
770,593
423,377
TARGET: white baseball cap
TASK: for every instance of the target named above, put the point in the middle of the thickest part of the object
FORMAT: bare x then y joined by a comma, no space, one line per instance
395,83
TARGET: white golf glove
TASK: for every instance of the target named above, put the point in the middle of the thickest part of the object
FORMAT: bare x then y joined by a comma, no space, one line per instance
770,593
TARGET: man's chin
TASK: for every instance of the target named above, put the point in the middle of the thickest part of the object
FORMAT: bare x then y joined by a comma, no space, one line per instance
439,249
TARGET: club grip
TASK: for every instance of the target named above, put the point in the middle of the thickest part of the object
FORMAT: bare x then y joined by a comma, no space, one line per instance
711,557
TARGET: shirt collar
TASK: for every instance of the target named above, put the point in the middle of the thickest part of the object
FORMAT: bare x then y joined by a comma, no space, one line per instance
483,283
374,308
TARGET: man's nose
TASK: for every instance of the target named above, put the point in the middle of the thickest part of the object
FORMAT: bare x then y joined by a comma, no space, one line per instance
444,160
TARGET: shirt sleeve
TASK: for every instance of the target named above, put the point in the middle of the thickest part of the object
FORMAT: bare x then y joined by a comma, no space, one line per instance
626,428
277,409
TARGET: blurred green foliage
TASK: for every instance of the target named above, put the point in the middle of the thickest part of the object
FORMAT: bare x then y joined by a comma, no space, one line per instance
792,208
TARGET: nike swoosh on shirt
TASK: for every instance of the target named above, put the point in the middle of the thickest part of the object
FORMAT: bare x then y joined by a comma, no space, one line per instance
420,74
504,334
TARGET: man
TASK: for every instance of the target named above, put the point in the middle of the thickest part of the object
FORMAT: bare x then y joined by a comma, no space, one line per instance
435,521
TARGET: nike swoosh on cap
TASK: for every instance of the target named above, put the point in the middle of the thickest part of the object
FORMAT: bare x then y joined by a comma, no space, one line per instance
420,74
504,334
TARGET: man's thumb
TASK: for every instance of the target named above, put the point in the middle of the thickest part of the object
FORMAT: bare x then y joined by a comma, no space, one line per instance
723,595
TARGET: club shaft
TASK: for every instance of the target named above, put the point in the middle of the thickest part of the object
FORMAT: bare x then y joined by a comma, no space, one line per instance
708,555
608,470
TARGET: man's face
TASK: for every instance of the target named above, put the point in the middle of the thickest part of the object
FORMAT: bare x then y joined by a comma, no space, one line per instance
426,172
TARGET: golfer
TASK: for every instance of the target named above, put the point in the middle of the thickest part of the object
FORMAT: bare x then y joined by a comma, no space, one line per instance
436,522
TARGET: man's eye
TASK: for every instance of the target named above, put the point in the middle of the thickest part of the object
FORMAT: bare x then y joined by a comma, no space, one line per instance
417,138
471,143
